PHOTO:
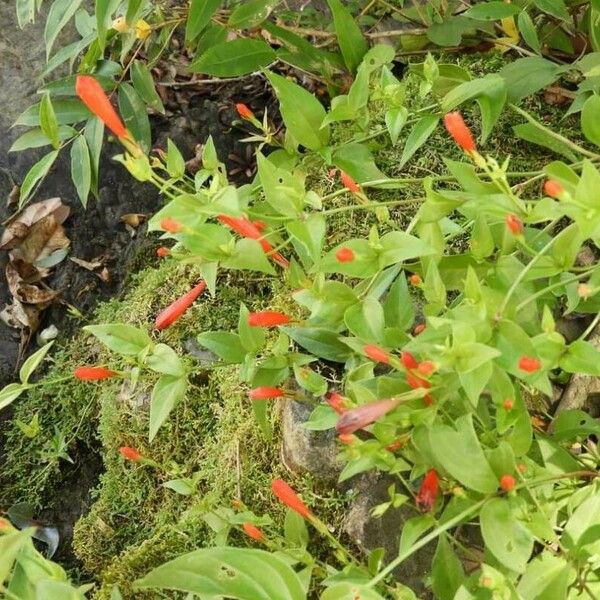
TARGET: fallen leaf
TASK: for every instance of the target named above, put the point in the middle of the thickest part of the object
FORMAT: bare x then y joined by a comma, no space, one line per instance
90,266
133,219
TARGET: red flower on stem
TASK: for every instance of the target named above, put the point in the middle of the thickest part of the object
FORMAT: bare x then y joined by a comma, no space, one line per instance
162,252
417,382
347,438
345,255
254,532
171,225
529,364
265,393
129,453
286,495
508,404
408,360
90,92
175,310
336,401
553,189
244,111
459,131
93,373
514,224
415,279
427,368
377,354
428,492
507,483
248,229
349,183
357,418
267,318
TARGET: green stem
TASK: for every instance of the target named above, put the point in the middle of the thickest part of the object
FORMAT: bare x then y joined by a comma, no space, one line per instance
551,287
402,556
522,274
590,327
372,205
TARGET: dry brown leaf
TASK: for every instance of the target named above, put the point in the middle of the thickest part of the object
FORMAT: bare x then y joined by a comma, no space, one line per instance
90,266
133,219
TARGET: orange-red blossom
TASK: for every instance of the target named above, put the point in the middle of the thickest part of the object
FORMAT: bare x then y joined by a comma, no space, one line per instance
459,131
175,310
93,373
286,495
248,229
265,392
254,532
90,92
129,453
428,492
267,318
349,183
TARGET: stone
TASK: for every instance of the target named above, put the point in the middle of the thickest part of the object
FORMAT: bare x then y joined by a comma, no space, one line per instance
306,451
368,532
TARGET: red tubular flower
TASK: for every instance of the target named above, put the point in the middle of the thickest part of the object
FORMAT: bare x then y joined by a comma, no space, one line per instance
244,111
427,368
169,315
514,224
408,360
507,483
459,131
248,229
349,183
508,404
129,453
267,318
254,532
336,401
90,92
356,418
377,354
529,364
286,495
265,393
417,382
171,225
162,252
428,491
344,255
347,438
553,189
93,373
415,279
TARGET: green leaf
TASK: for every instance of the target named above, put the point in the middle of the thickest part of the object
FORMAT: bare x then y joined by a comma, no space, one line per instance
250,13
528,31
525,76
224,344
143,83
10,393
346,590
25,12
295,530
418,135
358,161
447,574
33,362
586,516
310,380
164,359
349,36
242,573
48,121
175,162
180,486
199,17
104,11
59,15
134,10
491,11
590,119
166,394
251,338
10,545
67,112
121,338
450,31
459,452
94,134
283,191
366,320
536,135
320,342
302,113
545,578
235,58
133,111
36,138
81,169
35,174
504,535
249,255
556,8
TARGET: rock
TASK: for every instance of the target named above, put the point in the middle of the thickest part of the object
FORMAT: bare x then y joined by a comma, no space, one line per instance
305,451
369,532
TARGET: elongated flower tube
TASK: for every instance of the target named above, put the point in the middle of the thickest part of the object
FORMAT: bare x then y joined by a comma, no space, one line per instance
336,401
357,418
529,364
175,310
428,492
416,382
286,495
254,532
93,373
171,225
514,224
265,392
552,188
129,453
267,318
244,111
459,131
349,183
408,360
377,354
248,229
90,92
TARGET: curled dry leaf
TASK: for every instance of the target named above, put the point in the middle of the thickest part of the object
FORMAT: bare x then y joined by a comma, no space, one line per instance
133,219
